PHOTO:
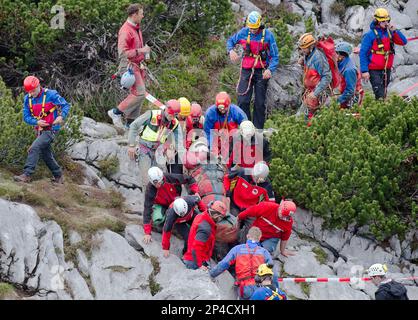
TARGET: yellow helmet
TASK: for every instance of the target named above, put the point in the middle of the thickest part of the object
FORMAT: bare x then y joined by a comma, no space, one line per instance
264,270
381,14
306,40
254,20
185,107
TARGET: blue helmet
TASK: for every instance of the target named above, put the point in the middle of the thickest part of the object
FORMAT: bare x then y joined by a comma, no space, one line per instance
344,47
254,20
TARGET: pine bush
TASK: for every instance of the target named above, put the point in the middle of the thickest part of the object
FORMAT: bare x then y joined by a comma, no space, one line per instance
348,170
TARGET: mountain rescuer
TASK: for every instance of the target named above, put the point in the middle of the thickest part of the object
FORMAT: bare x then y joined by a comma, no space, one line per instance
377,52
247,147
220,121
44,109
202,236
247,258
266,290
248,190
350,85
131,52
261,58
275,222
180,214
388,289
194,124
316,74
155,128
161,191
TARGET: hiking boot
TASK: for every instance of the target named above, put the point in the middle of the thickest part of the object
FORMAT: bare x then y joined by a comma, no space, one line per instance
22,178
116,119
58,180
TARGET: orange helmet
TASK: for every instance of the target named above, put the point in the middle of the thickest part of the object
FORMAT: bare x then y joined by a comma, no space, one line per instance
223,100
219,207
306,40
30,83
196,110
172,106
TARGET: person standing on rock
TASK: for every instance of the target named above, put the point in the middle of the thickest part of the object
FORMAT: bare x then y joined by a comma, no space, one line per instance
260,61
317,75
388,288
180,214
160,193
377,52
350,86
275,222
131,53
246,258
46,110
157,131
202,236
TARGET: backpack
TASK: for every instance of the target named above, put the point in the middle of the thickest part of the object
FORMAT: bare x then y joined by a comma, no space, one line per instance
327,46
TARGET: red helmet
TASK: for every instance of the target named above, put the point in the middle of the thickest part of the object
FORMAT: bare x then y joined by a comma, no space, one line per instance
223,99
173,106
196,110
190,160
287,208
219,207
30,83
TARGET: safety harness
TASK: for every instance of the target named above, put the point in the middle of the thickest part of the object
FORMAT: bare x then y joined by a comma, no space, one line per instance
43,114
257,58
385,53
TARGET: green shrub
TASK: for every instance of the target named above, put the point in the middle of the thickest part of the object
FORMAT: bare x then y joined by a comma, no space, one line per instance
17,136
309,25
352,171
109,166
284,40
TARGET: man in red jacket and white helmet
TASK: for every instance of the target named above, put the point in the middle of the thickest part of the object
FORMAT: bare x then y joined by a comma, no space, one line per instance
275,222
131,52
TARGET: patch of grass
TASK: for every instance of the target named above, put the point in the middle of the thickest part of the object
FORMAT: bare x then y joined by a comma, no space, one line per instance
73,169
71,249
338,8
120,269
100,223
306,288
6,290
116,200
320,255
154,286
109,166
292,297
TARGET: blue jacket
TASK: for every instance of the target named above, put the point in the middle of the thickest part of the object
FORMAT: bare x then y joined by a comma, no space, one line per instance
348,70
241,38
371,61
235,252
267,293
317,61
214,119
53,97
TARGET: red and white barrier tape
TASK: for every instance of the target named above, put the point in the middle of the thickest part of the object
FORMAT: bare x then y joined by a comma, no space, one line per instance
154,100
409,89
354,280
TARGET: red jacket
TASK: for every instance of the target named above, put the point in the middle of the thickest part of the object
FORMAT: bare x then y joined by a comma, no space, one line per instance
130,39
269,211
201,239
164,195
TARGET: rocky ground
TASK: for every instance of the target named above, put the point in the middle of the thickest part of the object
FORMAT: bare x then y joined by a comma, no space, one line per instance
45,254
45,260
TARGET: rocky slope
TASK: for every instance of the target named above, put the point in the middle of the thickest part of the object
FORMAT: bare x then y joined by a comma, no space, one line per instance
119,266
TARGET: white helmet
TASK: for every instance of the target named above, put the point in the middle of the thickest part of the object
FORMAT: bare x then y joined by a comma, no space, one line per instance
260,172
377,269
155,175
247,129
180,207
128,79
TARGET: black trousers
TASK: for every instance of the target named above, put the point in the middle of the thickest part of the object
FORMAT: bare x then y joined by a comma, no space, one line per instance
259,86
379,83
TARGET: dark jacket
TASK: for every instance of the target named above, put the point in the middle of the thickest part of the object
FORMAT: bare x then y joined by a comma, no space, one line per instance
391,291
